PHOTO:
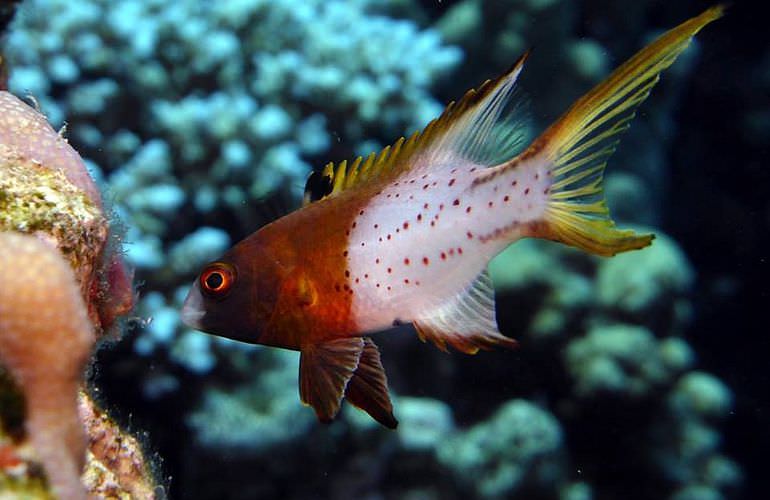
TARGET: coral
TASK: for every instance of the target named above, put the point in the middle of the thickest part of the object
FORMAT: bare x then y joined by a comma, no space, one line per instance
115,464
518,446
45,189
689,444
53,240
29,135
254,417
43,316
423,423
614,326
647,284
626,359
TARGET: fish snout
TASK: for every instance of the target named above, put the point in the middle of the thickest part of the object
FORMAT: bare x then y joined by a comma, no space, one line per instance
192,310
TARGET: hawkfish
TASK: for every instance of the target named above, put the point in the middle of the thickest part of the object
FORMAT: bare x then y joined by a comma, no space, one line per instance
404,236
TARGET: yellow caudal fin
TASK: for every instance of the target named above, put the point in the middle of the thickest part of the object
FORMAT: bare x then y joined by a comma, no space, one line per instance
578,145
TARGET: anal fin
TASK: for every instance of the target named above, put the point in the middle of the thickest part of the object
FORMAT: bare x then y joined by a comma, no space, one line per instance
368,388
466,321
324,372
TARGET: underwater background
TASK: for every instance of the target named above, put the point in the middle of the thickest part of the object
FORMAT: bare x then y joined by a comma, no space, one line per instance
641,376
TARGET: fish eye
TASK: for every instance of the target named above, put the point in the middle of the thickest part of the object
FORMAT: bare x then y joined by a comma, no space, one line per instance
217,279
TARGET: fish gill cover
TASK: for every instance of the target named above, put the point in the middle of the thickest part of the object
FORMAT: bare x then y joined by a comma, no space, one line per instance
192,115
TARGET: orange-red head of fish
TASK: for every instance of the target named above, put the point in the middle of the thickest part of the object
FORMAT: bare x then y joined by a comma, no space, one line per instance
235,295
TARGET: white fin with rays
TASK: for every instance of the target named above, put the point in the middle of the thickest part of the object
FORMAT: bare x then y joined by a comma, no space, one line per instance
470,130
465,321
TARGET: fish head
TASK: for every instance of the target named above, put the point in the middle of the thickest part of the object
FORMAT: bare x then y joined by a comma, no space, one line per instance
234,296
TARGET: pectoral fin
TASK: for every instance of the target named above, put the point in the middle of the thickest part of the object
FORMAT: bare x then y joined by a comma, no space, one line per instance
368,388
324,372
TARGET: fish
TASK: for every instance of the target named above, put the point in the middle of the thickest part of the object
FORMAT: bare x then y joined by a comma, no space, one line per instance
405,235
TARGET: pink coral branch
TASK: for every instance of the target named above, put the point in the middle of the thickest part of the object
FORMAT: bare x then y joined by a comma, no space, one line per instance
45,341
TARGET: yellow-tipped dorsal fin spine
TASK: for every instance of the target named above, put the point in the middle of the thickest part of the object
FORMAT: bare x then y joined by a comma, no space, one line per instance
461,128
579,143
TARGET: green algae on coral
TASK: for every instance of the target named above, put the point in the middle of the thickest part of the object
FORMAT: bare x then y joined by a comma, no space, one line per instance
23,488
37,200
18,480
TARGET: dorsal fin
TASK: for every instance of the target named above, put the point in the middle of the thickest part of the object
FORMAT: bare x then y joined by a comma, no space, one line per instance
466,129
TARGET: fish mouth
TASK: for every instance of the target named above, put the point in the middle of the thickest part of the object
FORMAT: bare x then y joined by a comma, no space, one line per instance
192,310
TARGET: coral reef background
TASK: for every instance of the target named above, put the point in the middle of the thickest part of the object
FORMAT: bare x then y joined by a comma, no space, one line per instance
642,376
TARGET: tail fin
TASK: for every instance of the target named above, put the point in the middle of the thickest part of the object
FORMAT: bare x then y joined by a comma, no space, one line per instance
578,145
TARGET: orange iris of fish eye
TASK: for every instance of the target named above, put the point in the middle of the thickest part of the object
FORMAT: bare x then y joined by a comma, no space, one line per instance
217,279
